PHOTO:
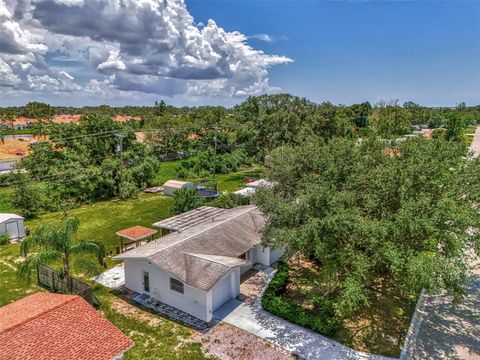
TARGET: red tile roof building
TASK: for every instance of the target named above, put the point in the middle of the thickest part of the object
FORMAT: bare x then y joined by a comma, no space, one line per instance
53,326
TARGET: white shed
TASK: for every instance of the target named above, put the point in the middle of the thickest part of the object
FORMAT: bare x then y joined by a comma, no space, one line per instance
171,186
12,224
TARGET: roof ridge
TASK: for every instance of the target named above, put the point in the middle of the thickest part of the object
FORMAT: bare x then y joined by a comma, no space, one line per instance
40,314
204,230
202,256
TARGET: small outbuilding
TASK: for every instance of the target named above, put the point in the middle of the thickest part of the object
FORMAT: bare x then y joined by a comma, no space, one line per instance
135,234
13,225
171,186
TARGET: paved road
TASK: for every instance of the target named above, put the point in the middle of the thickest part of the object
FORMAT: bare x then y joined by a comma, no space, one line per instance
475,146
443,330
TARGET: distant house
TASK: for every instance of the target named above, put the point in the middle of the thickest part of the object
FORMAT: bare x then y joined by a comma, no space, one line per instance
46,326
197,267
22,123
171,186
13,225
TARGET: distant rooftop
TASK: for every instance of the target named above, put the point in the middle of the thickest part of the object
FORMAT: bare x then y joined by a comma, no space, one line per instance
188,219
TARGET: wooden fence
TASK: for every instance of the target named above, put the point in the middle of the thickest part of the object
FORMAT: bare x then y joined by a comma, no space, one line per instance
53,280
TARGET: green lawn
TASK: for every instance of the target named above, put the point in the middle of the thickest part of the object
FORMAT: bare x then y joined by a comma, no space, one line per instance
16,132
12,288
5,205
225,182
100,221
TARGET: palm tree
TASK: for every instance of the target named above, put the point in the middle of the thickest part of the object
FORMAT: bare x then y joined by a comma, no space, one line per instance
56,243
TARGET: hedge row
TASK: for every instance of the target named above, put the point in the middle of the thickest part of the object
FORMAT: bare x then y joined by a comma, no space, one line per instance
321,318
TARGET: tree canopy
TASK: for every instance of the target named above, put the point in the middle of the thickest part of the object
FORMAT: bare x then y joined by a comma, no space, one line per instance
364,210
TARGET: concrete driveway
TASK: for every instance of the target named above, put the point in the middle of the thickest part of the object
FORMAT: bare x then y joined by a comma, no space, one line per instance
296,339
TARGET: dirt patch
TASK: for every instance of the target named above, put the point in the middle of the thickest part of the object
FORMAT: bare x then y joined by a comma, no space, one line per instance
227,342
251,284
13,148
127,309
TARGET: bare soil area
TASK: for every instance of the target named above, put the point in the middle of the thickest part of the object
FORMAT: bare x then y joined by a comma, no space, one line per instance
226,342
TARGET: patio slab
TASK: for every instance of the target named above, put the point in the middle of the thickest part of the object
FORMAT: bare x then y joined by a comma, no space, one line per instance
113,278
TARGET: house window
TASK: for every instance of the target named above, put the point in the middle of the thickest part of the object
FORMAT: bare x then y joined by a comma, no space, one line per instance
176,285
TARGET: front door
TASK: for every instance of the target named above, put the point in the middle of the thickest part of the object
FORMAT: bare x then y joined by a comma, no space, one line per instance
146,282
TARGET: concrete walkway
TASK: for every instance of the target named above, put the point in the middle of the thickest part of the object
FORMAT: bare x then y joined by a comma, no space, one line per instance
296,339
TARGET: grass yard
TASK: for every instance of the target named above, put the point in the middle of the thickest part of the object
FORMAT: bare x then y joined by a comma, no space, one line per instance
100,221
5,205
12,288
380,328
225,182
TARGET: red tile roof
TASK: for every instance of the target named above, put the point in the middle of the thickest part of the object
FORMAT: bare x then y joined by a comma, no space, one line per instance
66,119
53,326
136,233
125,118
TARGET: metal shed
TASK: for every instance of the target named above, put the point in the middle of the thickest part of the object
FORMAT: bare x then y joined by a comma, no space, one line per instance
13,225
171,186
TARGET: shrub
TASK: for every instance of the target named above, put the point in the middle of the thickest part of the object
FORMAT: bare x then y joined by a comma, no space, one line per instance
228,200
321,318
4,239
186,199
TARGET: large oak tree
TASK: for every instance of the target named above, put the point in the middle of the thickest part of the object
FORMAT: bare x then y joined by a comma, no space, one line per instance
364,210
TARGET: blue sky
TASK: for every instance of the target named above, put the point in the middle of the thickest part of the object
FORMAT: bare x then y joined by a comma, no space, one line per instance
351,51
338,51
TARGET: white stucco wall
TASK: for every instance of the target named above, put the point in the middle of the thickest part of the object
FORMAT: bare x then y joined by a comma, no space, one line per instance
14,227
228,287
267,256
263,255
192,301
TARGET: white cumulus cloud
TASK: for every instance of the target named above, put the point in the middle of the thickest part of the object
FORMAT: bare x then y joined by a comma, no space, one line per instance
149,46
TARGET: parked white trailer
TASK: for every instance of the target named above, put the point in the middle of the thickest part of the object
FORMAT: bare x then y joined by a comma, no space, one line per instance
13,225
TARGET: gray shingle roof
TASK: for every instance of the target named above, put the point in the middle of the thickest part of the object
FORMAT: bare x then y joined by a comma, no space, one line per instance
202,254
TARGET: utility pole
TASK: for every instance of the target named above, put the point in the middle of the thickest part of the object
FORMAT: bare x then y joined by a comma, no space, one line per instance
120,152
215,156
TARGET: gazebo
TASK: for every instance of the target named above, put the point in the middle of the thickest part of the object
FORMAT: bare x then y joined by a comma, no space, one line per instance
135,234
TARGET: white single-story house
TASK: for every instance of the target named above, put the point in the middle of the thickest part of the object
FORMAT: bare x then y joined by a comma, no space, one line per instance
171,186
12,224
197,269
